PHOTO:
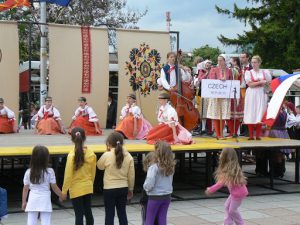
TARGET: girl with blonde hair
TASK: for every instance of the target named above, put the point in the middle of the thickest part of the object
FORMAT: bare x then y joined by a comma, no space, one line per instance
230,174
158,184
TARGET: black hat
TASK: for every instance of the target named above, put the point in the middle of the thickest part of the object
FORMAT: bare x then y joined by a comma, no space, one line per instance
164,95
132,95
1,100
82,99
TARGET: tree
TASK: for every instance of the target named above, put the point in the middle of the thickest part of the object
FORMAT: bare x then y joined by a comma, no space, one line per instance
207,52
274,34
110,13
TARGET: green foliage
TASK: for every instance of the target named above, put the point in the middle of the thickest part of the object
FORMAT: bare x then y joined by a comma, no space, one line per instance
274,34
207,52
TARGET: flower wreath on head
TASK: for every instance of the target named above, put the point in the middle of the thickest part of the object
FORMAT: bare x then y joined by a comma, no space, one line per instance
143,68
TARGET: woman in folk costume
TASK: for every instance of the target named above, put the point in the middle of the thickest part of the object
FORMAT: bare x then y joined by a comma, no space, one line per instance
237,112
48,119
168,129
86,118
203,72
132,123
256,99
219,108
7,119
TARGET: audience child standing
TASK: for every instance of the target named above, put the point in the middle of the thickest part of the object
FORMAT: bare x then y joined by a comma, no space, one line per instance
38,179
119,175
79,177
158,184
229,174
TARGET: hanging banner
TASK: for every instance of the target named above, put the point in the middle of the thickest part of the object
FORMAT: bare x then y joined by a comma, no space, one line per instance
67,61
141,55
9,65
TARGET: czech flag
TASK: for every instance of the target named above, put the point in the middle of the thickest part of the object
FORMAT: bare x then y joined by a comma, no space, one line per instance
58,2
280,87
9,4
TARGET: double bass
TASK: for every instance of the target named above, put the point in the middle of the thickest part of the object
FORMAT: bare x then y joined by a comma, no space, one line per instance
182,100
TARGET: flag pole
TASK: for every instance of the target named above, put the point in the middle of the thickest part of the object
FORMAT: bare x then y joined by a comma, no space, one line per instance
43,53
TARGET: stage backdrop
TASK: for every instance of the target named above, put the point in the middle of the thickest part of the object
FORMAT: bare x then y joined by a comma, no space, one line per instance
79,64
141,55
9,65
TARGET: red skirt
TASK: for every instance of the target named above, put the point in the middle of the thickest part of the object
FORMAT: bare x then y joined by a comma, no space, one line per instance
6,125
84,123
126,126
161,132
48,126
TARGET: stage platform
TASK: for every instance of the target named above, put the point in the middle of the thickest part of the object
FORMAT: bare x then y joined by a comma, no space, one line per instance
21,144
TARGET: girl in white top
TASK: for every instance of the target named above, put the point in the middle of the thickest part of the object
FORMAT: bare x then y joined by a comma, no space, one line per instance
132,123
7,119
256,100
38,180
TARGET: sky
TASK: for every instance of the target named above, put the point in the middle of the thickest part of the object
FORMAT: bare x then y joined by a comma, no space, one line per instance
197,20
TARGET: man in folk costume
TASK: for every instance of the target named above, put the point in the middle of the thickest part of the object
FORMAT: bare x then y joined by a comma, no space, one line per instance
168,74
168,129
7,119
48,119
132,123
86,118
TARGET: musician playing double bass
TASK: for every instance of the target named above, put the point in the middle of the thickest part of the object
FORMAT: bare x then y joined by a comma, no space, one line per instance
177,80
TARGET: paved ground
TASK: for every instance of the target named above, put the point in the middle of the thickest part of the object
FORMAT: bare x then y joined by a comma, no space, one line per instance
264,210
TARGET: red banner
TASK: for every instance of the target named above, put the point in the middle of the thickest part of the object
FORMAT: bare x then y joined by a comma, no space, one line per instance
9,4
86,60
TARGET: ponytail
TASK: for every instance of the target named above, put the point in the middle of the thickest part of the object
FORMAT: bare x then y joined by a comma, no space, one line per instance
119,155
78,138
116,141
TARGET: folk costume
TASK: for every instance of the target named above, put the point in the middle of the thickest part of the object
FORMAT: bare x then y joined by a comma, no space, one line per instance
7,120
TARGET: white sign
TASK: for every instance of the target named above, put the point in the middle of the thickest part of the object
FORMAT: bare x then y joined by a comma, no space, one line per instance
220,89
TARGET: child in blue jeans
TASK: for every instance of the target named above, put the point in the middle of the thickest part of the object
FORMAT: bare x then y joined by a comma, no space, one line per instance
158,184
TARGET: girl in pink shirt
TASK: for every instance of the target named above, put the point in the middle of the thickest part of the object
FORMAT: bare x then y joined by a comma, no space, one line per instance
230,174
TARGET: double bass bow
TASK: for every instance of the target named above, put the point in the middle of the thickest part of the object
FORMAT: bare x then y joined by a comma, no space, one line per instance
182,100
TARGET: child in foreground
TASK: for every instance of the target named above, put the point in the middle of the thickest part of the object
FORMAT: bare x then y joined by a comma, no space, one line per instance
230,174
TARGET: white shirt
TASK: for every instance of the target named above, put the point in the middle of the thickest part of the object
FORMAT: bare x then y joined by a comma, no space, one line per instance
133,109
86,111
186,76
44,186
292,120
167,114
7,112
52,111
261,75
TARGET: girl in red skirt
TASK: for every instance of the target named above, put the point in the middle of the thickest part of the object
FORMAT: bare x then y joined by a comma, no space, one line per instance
7,119
86,118
168,129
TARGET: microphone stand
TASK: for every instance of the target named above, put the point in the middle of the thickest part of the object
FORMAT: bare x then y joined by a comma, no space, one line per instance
234,115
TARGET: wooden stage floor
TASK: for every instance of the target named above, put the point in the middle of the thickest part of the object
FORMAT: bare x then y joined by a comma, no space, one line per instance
21,144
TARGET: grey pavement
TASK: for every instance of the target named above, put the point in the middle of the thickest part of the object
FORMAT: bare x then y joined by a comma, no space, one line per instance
263,210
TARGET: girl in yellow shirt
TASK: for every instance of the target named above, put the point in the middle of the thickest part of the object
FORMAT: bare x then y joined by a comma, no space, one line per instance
118,166
79,177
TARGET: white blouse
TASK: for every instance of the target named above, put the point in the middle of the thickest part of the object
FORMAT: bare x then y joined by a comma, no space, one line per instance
52,111
133,109
7,112
167,114
86,111
261,75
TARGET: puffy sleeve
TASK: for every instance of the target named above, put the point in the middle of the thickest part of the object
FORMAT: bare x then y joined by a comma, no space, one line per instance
40,113
268,75
163,80
92,115
123,112
77,111
186,76
136,111
248,77
172,116
56,114
10,113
